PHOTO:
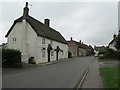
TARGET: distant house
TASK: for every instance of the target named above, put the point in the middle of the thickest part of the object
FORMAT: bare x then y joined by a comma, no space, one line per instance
91,50
97,49
86,48
112,43
36,39
78,48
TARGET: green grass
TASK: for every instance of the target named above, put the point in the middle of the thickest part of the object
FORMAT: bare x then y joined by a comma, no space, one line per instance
107,60
110,76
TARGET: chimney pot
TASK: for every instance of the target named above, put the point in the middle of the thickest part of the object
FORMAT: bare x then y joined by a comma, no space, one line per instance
47,22
25,11
114,36
71,38
80,41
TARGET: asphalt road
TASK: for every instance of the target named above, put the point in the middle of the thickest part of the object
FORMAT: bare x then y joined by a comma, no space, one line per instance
60,75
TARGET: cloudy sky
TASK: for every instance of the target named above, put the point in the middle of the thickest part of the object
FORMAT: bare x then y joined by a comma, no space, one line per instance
92,22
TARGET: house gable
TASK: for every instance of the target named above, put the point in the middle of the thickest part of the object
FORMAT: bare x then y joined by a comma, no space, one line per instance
14,38
40,29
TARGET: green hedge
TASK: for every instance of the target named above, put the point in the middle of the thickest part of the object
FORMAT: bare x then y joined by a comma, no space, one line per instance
10,57
109,54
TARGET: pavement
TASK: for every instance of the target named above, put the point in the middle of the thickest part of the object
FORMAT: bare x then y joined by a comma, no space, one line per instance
93,78
109,63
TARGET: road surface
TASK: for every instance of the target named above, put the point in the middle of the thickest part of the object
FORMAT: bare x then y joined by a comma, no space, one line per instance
60,75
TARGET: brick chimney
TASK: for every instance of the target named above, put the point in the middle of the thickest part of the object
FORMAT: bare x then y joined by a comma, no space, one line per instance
47,22
71,38
114,36
80,41
25,11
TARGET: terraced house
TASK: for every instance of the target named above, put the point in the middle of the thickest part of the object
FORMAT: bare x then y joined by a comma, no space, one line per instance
79,48
36,39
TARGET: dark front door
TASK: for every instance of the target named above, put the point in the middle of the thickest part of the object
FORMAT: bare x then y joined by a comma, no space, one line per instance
57,55
48,55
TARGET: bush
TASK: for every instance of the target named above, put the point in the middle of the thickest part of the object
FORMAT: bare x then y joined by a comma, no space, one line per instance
117,40
116,55
69,55
101,56
10,57
109,54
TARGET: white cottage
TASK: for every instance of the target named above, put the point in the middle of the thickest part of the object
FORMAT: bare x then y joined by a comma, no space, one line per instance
36,39
112,43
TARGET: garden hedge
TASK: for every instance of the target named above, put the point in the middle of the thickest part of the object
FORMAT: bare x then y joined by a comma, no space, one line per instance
109,54
10,57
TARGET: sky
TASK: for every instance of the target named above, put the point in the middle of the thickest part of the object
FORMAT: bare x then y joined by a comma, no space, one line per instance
94,23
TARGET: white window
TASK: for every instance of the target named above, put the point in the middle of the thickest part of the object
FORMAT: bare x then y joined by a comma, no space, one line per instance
52,53
51,42
43,53
43,40
14,39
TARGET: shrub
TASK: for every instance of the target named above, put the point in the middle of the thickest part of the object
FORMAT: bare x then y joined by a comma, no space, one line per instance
116,55
109,54
117,40
101,56
10,57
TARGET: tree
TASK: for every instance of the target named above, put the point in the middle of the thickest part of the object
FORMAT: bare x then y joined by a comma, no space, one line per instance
117,45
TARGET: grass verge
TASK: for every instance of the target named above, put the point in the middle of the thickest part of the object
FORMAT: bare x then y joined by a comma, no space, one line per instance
107,60
110,76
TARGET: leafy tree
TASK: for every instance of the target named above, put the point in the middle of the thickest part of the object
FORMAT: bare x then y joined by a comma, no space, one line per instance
107,53
117,45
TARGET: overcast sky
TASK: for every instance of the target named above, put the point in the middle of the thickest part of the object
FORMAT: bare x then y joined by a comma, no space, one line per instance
92,22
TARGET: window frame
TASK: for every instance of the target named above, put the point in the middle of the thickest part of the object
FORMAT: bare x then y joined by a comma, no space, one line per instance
43,40
51,42
52,53
43,54
14,40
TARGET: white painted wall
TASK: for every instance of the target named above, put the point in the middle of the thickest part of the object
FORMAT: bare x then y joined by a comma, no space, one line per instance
15,33
30,44
61,55
112,46
82,52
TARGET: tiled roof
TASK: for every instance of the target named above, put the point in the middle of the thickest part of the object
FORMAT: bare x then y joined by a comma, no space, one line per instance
112,41
90,47
99,48
41,29
78,44
86,46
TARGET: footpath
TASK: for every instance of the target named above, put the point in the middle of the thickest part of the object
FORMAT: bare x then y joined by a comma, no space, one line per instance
93,78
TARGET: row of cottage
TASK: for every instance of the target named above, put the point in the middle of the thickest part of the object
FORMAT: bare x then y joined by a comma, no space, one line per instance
36,39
